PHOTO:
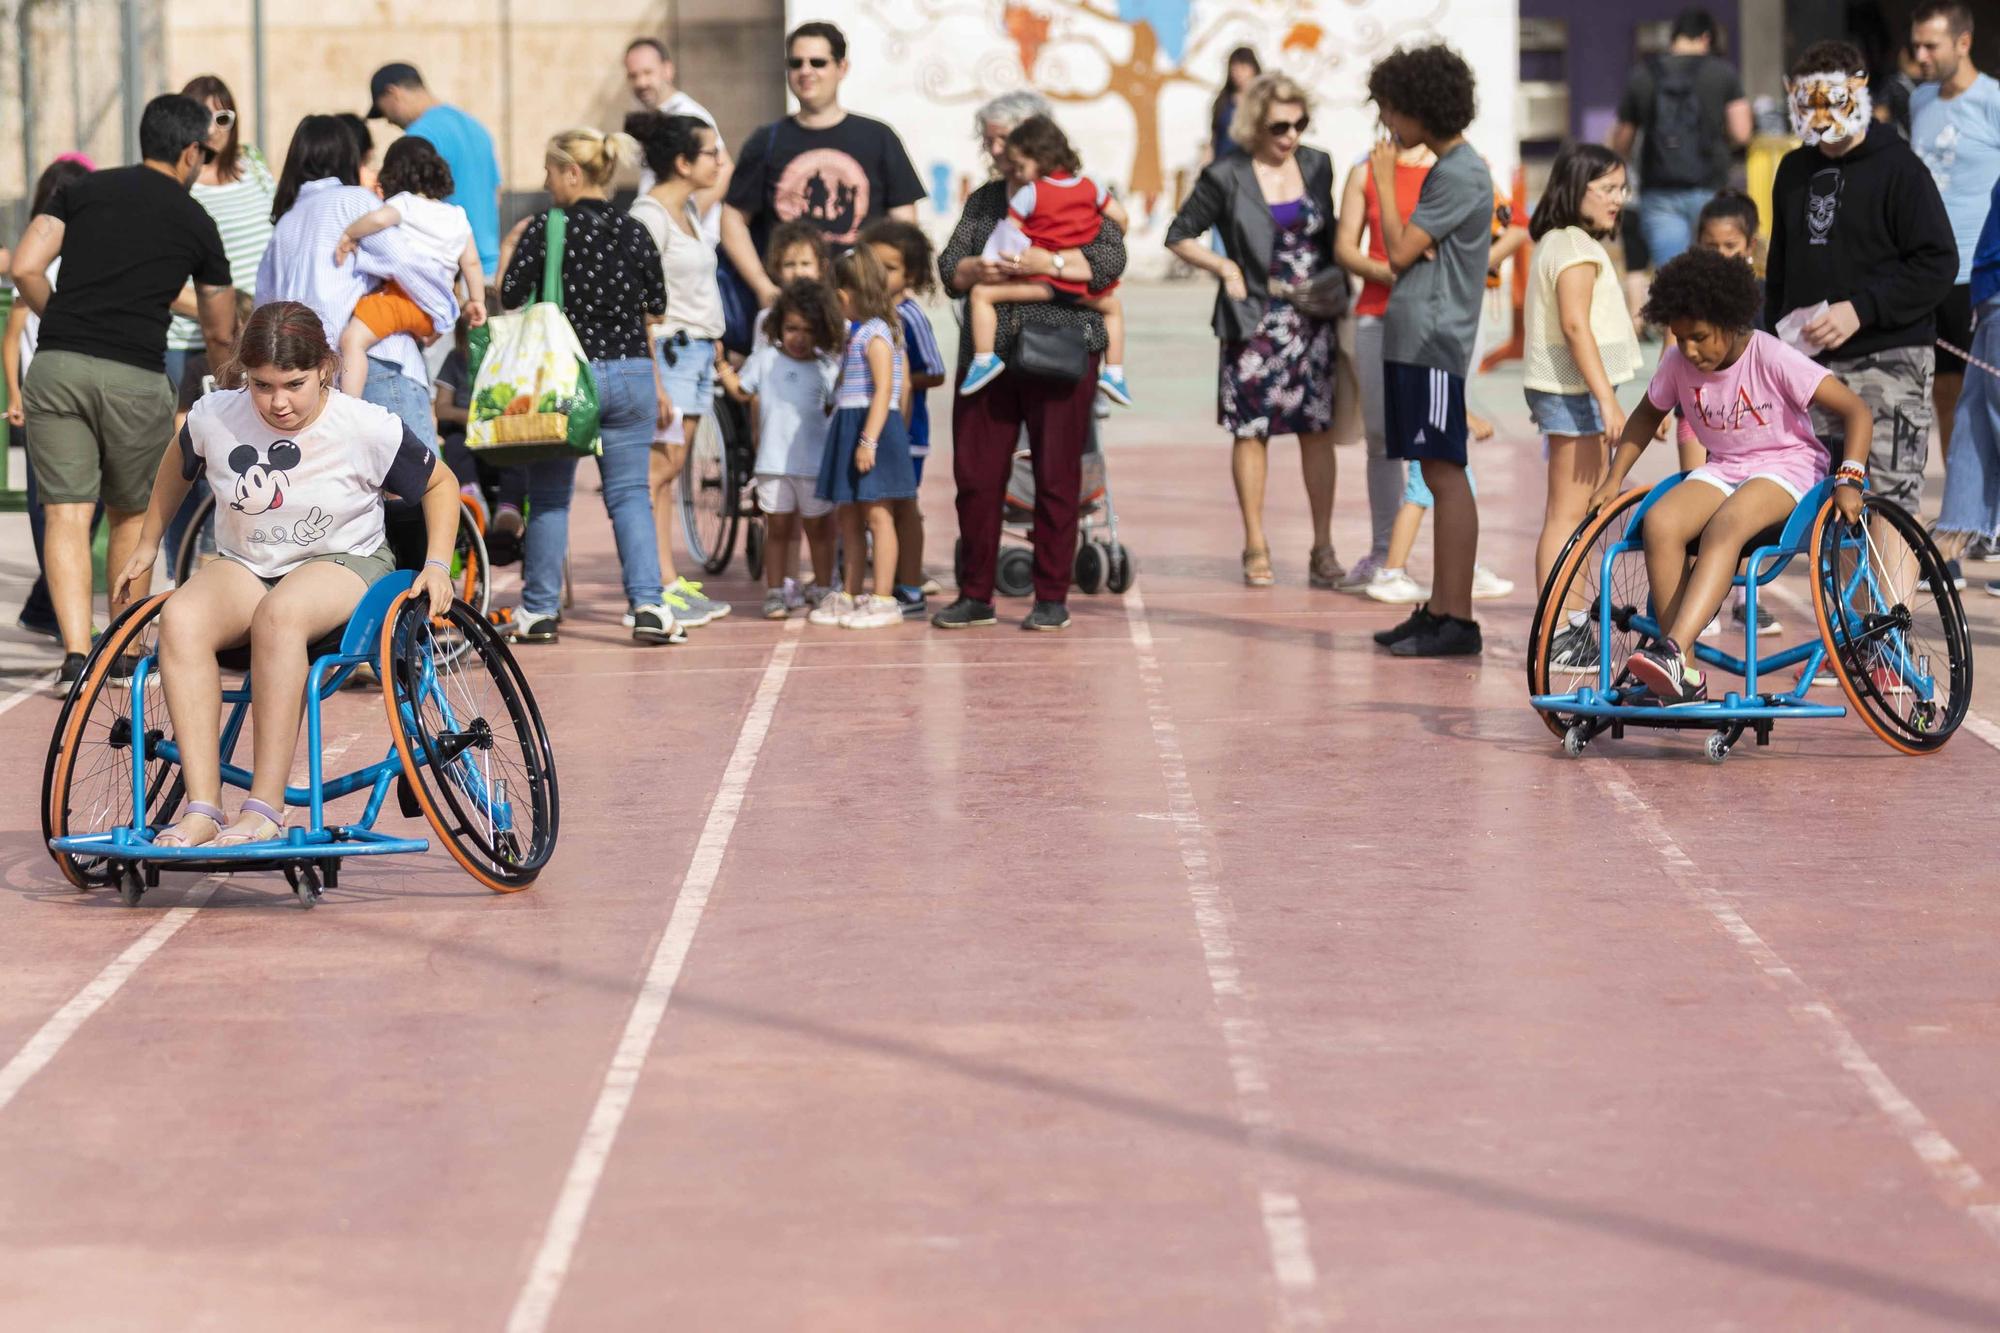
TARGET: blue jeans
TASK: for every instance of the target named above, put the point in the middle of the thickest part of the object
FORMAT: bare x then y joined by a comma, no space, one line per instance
391,388
629,403
1972,468
1670,219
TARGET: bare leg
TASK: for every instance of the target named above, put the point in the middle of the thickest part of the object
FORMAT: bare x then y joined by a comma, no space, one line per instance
1113,310
882,526
1454,538
1248,461
781,533
1756,505
909,542
1403,535
1320,469
1670,525
66,559
819,542
355,340
208,613
124,540
852,526
984,301
1576,466
662,471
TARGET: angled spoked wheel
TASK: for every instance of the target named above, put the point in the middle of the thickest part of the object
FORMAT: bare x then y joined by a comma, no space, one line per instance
475,753
87,781
197,544
708,497
1573,589
1894,629
471,571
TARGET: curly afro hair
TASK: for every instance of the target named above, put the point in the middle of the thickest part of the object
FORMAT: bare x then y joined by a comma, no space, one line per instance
1431,83
1706,286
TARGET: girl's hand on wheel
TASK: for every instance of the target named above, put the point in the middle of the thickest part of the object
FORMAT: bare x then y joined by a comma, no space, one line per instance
1847,499
1603,496
138,569
434,583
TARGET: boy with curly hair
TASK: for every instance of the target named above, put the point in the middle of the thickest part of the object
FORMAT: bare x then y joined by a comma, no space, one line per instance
1425,95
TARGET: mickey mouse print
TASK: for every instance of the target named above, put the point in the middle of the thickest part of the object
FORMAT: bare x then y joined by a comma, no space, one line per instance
286,497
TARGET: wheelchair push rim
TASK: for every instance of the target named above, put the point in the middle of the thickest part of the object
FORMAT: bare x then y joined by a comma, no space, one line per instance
1573,586
475,754
87,781
1901,650
708,500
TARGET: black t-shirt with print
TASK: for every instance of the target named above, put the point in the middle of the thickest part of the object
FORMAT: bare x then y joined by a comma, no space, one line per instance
132,237
839,178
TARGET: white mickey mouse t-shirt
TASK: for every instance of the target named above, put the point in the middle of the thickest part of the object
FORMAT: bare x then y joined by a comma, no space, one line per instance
283,497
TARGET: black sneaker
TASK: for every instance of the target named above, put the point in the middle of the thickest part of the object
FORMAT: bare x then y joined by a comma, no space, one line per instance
1981,550
965,613
655,624
1766,622
1448,636
1421,621
71,670
1047,616
1574,649
48,628
1661,669
910,600
527,627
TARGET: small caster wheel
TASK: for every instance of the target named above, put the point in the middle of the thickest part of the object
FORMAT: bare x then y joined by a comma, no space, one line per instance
1717,747
1575,739
131,885
305,883
1119,579
1091,563
753,548
1015,574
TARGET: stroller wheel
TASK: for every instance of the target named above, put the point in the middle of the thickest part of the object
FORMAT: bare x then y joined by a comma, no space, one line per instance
1092,561
1119,574
1015,575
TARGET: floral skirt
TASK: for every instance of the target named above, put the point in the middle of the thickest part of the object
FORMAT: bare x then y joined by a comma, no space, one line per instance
1280,380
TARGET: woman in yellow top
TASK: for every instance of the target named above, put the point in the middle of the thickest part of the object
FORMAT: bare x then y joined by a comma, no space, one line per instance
1579,345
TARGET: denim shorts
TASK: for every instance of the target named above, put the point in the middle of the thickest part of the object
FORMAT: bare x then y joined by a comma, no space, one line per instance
687,368
1564,413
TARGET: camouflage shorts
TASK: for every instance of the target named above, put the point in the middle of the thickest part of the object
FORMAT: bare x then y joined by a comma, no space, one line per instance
1896,385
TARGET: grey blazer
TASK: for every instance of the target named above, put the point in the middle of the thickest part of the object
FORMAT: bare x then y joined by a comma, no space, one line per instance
1226,197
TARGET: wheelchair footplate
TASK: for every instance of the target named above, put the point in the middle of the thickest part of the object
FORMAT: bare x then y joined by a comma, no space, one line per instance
310,860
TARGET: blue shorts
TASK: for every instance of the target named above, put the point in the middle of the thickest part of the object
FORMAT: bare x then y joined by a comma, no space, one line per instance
1564,413
688,370
1415,492
1423,413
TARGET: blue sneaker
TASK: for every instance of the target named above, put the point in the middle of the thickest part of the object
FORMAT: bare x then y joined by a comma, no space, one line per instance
911,600
985,368
1113,387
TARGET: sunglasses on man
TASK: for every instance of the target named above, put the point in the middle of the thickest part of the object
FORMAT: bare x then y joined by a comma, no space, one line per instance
800,62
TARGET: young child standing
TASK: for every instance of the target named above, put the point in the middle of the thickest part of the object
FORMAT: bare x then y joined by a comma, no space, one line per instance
905,255
1056,210
416,182
1578,341
791,380
866,466
1425,95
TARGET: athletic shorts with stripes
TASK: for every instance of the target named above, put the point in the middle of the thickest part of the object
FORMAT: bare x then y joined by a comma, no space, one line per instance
1423,413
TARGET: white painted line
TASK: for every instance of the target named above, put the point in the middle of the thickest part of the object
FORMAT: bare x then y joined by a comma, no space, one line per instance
1286,1236
1957,1179
34,689
537,1299
51,1037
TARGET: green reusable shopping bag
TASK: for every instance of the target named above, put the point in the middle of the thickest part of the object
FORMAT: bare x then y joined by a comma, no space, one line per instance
533,396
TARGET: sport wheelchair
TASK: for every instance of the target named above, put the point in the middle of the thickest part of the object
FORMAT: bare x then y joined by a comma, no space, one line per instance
1891,630
469,754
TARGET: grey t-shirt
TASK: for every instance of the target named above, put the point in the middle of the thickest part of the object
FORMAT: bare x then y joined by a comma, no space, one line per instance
1433,313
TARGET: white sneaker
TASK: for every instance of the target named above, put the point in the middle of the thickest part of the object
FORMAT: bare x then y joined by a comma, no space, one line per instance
873,613
1713,628
1486,585
1396,586
834,609
932,588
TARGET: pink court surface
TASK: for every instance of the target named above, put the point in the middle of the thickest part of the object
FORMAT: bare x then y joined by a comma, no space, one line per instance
1198,968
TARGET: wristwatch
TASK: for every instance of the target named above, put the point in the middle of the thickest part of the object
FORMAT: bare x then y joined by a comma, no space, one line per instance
1056,262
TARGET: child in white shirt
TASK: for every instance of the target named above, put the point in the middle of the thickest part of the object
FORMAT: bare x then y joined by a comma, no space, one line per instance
791,376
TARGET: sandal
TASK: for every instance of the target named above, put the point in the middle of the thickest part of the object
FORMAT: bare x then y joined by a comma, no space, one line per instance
1257,567
234,837
1325,568
177,830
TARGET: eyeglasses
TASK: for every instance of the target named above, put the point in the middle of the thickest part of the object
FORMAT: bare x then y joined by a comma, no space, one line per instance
800,62
1278,129
223,119
1617,194
710,151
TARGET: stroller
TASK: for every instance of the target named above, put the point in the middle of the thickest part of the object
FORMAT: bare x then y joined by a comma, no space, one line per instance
1102,562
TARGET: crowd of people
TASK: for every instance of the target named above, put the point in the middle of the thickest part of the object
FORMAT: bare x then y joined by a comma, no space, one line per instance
790,276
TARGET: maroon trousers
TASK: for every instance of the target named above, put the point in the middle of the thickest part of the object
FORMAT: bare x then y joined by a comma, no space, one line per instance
985,430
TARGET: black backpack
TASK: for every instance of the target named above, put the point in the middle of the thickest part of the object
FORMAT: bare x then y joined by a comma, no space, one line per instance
1676,157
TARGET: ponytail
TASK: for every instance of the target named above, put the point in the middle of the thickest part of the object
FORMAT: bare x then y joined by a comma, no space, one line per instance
594,153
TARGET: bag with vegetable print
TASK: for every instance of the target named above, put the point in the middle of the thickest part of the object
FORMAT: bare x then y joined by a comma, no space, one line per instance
533,396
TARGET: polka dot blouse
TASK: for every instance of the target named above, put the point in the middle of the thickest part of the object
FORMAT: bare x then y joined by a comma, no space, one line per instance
611,278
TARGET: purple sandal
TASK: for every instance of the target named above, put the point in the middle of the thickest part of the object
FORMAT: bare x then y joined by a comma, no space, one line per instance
275,818
213,814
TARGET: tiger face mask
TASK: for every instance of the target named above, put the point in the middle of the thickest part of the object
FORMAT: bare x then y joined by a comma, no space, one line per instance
1829,107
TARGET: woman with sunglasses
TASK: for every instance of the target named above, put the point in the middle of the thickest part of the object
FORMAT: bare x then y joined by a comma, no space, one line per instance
236,189
1273,207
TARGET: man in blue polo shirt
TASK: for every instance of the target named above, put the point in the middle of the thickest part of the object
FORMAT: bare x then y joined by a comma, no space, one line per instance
398,95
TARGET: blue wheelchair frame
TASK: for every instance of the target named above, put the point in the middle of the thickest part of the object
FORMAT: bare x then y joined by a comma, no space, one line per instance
316,841
1606,705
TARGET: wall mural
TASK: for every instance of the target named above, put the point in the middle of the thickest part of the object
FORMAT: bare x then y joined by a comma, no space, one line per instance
1133,79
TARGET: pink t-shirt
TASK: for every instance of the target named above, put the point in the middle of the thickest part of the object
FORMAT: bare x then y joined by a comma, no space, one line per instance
1753,416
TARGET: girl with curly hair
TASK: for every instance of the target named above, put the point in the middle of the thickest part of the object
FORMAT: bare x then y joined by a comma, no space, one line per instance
416,183
1749,398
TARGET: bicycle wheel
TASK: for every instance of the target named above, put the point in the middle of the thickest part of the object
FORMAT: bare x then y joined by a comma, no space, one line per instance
1573,587
471,573
474,751
708,498
1894,629
87,781
197,545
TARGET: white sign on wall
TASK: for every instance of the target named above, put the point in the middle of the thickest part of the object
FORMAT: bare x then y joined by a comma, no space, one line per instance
1133,80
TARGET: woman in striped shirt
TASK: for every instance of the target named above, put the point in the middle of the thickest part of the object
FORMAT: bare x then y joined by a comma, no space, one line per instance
236,190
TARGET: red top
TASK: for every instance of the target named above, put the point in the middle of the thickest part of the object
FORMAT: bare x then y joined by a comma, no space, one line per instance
1374,298
1060,213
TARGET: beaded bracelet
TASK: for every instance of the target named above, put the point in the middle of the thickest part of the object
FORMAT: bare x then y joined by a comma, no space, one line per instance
441,564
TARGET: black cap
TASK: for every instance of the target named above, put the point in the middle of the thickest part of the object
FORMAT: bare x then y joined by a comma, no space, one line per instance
398,75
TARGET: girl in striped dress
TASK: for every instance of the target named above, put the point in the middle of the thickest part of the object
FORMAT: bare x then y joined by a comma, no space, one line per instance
866,467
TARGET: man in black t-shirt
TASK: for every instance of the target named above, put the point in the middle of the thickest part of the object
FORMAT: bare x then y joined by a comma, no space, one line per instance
824,166
100,411
1690,105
